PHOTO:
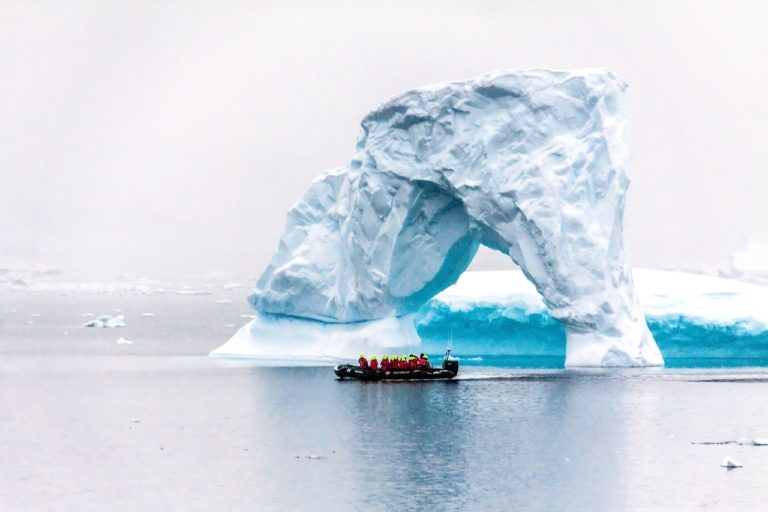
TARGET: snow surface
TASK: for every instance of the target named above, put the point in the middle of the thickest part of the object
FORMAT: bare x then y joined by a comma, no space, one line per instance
530,163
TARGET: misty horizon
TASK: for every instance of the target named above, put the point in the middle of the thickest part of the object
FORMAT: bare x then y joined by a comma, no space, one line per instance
171,140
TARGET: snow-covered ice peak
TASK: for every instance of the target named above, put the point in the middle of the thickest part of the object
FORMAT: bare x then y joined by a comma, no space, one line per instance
531,163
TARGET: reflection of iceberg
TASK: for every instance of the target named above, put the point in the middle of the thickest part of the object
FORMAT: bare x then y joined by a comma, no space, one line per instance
530,163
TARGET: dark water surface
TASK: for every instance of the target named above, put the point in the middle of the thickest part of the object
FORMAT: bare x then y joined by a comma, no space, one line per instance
87,424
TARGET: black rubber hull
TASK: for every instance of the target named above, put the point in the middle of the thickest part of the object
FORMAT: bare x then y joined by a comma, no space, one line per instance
349,371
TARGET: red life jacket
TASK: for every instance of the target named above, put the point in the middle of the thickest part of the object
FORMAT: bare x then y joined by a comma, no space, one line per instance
385,365
374,365
422,363
363,362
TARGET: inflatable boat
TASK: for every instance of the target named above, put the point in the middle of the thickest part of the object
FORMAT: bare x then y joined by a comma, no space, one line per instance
448,370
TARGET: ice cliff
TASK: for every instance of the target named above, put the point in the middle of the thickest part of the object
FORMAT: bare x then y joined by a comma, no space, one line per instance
530,163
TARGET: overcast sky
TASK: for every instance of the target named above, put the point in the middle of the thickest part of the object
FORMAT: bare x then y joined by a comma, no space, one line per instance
170,138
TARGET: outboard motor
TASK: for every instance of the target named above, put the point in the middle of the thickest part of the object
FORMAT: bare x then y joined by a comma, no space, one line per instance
452,365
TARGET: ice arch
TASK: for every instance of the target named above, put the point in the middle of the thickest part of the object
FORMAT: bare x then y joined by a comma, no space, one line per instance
530,163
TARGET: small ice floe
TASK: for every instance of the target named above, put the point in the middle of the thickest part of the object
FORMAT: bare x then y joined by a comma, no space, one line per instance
248,316
35,315
315,457
116,310
754,442
123,341
107,321
192,291
229,325
729,463
234,286
87,315
150,315
222,301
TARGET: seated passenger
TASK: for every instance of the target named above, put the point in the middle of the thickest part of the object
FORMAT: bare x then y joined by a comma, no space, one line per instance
374,363
426,362
422,361
362,362
412,362
385,363
403,363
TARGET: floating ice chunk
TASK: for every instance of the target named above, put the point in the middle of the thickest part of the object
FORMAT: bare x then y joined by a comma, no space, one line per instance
743,440
280,338
116,310
123,341
107,321
149,315
729,463
248,316
751,263
758,441
35,315
87,315
234,286
192,291
222,301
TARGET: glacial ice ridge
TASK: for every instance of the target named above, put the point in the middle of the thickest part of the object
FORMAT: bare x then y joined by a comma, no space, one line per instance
530,163
497,318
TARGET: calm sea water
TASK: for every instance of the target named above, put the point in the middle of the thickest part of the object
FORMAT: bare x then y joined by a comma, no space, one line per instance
89,424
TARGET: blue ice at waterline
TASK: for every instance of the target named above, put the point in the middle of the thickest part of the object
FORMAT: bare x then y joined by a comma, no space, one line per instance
497,318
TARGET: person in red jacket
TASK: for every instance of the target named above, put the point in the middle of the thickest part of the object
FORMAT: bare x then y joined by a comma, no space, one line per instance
385,363
421,362
362,362
374,363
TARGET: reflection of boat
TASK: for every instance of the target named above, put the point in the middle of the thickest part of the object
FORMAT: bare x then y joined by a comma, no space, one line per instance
448,370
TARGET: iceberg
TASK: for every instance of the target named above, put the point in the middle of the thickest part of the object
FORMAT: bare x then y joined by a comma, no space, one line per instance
499,317
531,163
697,320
